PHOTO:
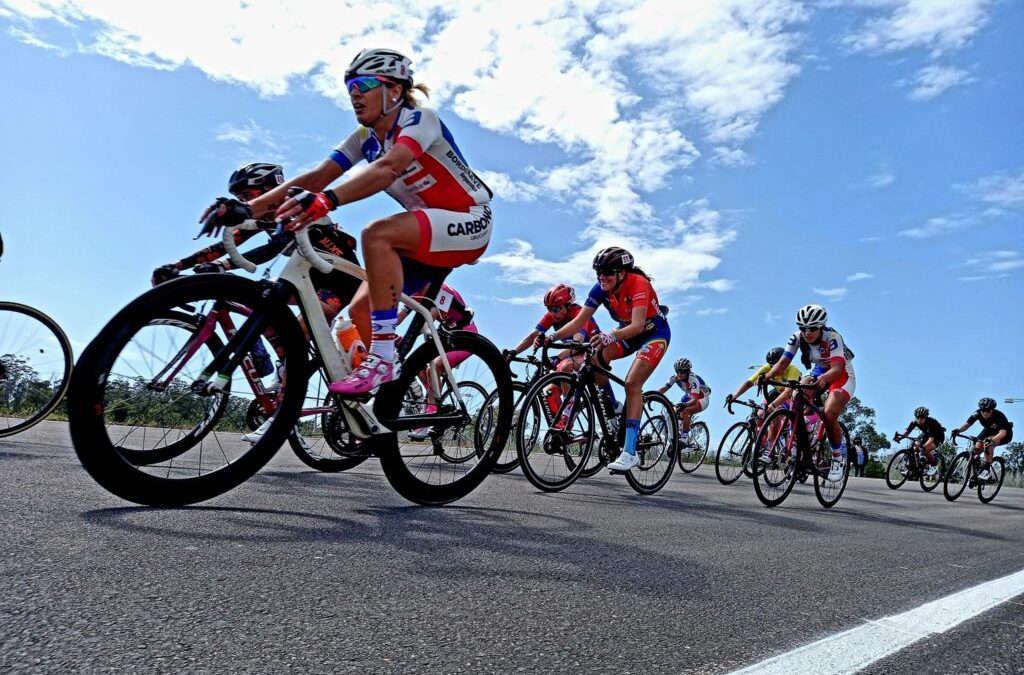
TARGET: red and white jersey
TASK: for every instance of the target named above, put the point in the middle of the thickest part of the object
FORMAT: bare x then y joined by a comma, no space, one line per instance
439,177
828,348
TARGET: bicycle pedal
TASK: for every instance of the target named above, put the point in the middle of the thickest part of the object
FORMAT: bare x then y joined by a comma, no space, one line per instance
614,472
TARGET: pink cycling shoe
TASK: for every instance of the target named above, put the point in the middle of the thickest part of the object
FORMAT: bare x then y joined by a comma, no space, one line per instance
370,374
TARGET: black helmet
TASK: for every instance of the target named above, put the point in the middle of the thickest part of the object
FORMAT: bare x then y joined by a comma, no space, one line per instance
260,175
987,404
613,258
921,411
683,365
773,355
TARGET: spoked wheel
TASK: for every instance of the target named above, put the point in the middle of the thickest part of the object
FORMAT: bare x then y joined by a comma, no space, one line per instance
551,455
774,481
692,453
988,489
958,474
829,492
734,453
656,444
35,367
131,398
929,483
322,439
896,471
508,460
425,473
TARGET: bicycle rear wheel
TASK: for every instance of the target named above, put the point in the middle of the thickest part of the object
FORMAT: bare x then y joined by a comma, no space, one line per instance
896,471
508,459
957,476
929,483
827,491
733,453
553,458
656,444
35,367
774,481
426,473
131,392
987,490
692,454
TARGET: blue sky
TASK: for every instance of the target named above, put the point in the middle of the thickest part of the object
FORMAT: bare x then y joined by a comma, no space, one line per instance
755,156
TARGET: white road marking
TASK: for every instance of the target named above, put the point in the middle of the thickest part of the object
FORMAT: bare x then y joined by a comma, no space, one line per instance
857,648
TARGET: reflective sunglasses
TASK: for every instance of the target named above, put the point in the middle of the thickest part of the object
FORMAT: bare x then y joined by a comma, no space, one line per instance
365,83
808,329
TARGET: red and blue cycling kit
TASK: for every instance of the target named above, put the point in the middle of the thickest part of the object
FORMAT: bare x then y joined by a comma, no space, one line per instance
635,291
828,349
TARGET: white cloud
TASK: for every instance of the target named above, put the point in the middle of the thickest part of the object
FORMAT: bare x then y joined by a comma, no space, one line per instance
993,265
937,25
859,276
1003,190
32,40
939,225
932,80
883,178
717,311
833,294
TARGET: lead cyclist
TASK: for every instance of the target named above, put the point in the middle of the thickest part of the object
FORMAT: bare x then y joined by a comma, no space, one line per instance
414,158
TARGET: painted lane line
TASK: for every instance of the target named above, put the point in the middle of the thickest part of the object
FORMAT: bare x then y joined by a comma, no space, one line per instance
857,648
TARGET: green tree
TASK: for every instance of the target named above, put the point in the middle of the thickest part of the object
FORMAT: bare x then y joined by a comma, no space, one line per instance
859,420
1013,454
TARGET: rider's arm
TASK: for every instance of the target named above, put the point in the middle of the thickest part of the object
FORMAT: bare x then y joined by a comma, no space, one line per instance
747,384
575,325
526,341
779,367
313,180
835,369
637,319
380,174
668,385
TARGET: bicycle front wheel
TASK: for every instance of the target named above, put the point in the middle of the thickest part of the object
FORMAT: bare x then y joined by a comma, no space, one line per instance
508,460
929,483
775,470
322,439
827,491
656,444
554,442
733,453
457,458
896,471
692,453
987,490
131,394
957,476
35,367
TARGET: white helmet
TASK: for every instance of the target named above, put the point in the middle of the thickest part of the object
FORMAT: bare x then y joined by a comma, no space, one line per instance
385,62
811,316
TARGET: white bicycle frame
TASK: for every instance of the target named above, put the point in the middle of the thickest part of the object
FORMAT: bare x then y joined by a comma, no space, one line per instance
358,415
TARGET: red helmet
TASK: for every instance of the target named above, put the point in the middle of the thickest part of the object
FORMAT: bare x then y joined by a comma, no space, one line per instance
560,294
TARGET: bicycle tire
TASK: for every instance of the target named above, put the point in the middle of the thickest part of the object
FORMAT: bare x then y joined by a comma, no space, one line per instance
830,492
413,482
957,476
557,466
988,497
928,485
897,461
508,460
28,339
657,444
327,445
726,473
690,462
467,389
191,480
768,493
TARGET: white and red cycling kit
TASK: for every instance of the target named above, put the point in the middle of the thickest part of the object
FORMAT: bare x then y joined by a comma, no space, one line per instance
828,349
694,389
450,202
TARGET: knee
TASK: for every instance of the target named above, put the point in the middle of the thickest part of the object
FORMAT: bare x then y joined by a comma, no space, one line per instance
634,388
375,234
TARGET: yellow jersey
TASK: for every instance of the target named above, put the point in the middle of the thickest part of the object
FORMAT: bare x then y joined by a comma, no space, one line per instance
792,373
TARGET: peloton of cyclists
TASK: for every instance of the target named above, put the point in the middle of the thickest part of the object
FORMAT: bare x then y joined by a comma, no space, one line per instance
932,436
626,292
996,430
696,395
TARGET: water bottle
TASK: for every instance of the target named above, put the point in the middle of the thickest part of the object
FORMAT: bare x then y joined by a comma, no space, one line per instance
346,339
812,425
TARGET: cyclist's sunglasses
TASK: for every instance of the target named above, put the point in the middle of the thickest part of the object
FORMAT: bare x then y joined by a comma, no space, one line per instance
366,83
554,309
808,329
606,272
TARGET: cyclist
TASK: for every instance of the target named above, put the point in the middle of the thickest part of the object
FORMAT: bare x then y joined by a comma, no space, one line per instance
413,157
933,434
770,359
453,314
830,363
996,430
696,395
626,292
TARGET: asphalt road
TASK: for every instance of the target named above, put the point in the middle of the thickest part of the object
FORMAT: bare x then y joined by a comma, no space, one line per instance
307,572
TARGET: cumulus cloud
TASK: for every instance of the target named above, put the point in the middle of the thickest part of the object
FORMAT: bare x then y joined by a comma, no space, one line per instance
936,25
933,80
1004,190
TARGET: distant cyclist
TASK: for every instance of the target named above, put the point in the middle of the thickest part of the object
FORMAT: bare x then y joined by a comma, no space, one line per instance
626,292
696,395
996,430
932,436
770,359
830,363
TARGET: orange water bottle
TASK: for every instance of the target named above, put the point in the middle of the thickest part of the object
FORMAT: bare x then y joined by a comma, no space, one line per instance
347,340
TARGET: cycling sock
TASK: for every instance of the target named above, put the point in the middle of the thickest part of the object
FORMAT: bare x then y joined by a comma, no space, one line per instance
384,323
838,449
632,429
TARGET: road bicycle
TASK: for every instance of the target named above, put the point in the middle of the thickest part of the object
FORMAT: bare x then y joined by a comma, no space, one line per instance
736,449
910,463
691,453
35,365
181,376
556,436
793,452
964,469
